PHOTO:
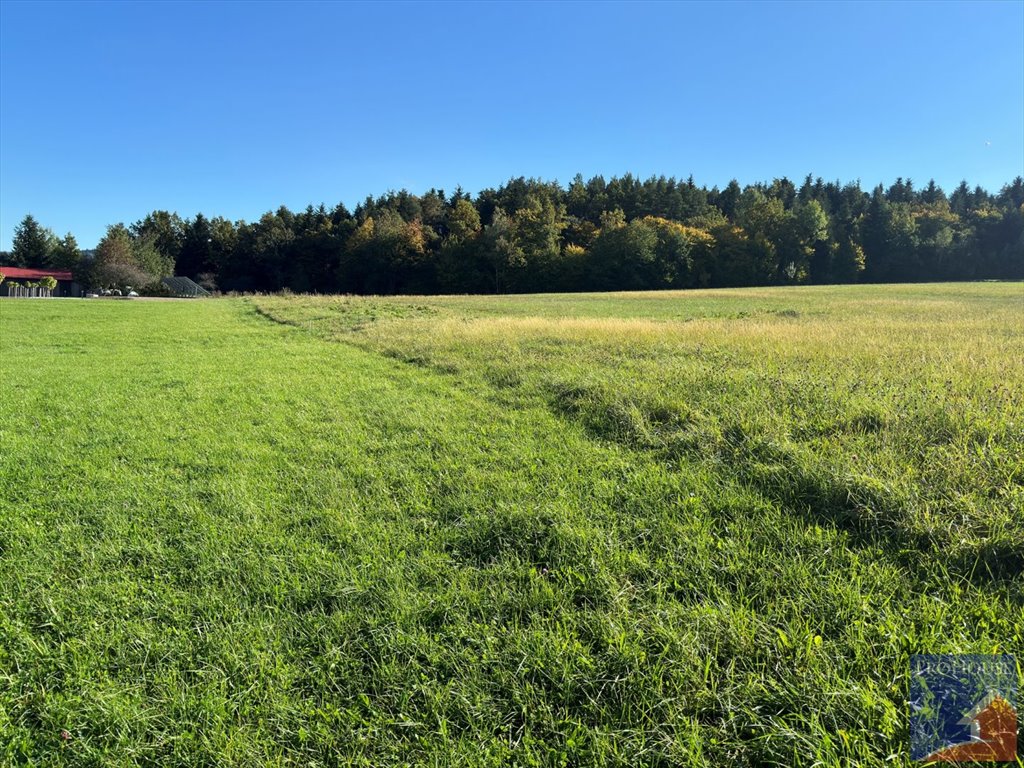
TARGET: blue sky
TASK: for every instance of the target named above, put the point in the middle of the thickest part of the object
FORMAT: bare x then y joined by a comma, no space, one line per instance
111,110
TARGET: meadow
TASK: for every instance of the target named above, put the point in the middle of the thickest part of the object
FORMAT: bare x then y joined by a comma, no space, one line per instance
644,529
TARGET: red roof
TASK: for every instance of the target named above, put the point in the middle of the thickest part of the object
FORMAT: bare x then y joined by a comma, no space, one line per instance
17,273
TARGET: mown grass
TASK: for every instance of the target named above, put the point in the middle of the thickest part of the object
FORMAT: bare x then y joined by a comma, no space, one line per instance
698,528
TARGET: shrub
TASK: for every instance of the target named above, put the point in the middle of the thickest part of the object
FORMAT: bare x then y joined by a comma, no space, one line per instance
118,275
155,288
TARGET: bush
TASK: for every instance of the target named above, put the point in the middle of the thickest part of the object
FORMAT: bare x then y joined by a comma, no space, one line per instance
156,288
208,280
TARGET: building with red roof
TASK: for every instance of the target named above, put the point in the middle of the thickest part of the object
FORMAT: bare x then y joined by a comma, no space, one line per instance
16,277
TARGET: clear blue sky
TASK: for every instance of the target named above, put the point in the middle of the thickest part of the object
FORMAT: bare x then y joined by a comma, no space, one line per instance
111,110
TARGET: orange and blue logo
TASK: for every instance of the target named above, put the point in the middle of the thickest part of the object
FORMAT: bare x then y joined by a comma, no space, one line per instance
963,708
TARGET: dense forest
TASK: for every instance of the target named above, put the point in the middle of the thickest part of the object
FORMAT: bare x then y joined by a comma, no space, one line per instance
530,235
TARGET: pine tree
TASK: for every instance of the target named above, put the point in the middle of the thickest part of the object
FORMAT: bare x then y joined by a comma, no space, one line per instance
65,254
33,244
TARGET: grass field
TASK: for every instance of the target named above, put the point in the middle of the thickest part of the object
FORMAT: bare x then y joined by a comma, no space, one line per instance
700,528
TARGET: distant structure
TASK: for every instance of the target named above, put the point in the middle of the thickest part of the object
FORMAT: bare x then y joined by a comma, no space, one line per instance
16,277
184,288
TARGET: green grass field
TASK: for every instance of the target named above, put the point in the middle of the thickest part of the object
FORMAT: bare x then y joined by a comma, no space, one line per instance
695,528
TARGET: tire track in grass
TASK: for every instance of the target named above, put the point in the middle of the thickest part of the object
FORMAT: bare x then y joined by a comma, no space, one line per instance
870,512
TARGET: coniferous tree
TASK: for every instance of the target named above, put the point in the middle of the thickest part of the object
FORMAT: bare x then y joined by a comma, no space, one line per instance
66,254
33,244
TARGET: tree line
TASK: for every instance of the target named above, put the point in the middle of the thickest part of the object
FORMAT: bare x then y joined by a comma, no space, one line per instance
530,235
